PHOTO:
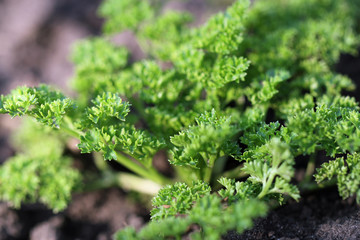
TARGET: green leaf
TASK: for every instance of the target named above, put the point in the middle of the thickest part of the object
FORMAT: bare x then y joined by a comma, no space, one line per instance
109,140
263,91
48,179
106,107
223,32
262,135
45,105
165,33
177,199
347,173
98,55
200,145
19,102
208,214
331,126
98,64
271,165
124,14
128,233
236,190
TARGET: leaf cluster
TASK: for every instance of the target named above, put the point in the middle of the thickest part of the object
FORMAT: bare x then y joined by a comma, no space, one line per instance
255,84
194,208
346,172
39,172
42,103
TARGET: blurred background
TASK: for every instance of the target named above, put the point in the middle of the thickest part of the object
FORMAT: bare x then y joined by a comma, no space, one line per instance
35,44
36,37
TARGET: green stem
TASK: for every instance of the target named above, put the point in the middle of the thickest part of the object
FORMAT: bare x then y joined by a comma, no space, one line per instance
69,128
150,173
131,182
218,167
267,185
126,181
96,182
186,174
310,168
306,187
235,173
209,169
99,161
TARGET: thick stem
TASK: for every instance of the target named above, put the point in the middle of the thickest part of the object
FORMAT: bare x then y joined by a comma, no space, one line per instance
267,185
69,128
186,174
209,169
310,169
150,173
131,182
235,173
306,187
127,181
99,161
218,167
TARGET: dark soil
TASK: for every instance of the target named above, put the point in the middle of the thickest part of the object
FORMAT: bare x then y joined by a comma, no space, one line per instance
35,47
322,215
95,215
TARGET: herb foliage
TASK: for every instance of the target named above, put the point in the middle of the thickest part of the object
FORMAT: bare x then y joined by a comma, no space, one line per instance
255,84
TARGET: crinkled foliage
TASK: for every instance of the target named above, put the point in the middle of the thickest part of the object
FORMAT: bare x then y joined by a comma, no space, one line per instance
208,212
346,172
45,105
255,84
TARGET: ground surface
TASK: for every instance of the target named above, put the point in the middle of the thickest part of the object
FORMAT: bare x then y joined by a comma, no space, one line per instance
317,216
36,40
